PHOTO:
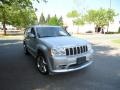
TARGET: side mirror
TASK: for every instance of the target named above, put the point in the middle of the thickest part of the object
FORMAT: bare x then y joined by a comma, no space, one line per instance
31,35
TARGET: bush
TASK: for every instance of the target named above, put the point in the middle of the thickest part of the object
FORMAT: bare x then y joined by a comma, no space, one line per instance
89,31
111,32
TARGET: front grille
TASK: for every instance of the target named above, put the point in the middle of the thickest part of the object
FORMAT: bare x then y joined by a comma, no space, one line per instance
76,50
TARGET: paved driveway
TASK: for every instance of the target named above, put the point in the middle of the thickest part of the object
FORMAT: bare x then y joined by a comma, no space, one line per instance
18,72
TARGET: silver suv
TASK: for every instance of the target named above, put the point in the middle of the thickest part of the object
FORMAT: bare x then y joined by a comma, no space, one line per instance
56,50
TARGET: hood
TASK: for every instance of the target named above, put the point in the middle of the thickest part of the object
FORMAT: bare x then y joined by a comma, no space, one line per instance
64,41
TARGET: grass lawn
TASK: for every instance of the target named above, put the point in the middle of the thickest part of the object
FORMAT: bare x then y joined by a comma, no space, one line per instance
116,41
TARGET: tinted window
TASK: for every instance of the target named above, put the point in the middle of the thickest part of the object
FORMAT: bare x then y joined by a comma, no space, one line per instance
51,31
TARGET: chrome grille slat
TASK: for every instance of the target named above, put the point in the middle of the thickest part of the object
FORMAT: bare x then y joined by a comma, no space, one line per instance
67,51
81,49
76,50
71,51
86,48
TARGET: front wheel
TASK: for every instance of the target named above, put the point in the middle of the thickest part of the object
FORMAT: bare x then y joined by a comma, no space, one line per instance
25,50
42,64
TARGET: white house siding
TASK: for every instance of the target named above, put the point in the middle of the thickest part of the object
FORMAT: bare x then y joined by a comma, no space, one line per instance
113,27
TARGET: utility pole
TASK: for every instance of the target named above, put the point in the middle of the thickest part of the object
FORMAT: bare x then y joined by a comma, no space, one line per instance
109,15
110,4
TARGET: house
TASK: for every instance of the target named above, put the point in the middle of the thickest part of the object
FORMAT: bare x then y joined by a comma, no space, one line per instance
88,28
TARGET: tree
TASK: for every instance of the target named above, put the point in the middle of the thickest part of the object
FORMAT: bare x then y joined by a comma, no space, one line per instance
25,18
42,19
60,21
100,17
110,14
53,21
48,18
73,14
3,9
14,12
78,19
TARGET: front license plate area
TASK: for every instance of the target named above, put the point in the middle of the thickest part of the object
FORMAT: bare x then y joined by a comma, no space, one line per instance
81,60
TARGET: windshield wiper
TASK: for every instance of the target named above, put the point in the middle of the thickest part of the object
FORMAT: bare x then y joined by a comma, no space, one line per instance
53,36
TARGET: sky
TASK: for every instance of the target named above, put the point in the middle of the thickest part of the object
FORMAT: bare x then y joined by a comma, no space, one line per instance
62,7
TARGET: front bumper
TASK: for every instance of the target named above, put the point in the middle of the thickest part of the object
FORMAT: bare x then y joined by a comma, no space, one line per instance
69,63
74,69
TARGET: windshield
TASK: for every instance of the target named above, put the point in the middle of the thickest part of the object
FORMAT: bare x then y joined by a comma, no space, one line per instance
51,32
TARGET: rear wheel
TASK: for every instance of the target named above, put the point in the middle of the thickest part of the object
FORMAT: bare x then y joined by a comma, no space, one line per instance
42,64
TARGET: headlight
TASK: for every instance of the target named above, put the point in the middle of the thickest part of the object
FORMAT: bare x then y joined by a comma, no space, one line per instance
58,52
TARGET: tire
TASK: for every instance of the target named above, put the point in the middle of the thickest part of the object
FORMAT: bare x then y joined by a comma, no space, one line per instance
42,65
26,50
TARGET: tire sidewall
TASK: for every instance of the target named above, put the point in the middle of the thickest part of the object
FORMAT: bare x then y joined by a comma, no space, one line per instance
44,73
25,49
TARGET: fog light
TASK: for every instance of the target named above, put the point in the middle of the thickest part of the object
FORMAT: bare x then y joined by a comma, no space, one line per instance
89,58
62,66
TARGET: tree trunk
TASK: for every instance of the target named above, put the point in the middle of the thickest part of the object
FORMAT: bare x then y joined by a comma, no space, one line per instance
107,28
4,28
4,22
